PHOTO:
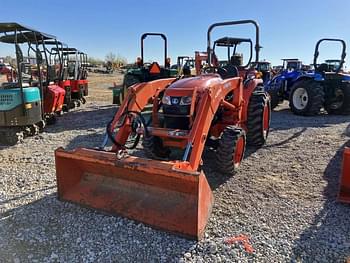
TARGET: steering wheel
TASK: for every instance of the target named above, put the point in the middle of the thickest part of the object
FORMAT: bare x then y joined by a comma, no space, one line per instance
219,70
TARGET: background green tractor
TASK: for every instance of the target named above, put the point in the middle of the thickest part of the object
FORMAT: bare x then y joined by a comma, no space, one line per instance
144,72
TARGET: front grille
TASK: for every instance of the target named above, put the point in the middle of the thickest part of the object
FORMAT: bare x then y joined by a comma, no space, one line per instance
176,116
177,109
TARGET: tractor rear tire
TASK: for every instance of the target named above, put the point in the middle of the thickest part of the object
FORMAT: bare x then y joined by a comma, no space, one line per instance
307,97
153,148
344,108
275,100
129,80
259,118
230,151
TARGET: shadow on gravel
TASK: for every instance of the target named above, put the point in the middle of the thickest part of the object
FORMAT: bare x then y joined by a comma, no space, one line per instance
82,120
214,177
49,230
4,147
86,141
292,137
329,232
26,195
285,120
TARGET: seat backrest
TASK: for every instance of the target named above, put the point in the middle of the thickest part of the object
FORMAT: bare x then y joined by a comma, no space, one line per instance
323,68
229,71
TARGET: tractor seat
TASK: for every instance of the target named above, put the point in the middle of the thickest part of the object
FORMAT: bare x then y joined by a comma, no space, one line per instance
323,68
231,72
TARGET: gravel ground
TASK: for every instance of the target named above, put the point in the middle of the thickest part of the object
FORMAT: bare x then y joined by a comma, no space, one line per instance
282,198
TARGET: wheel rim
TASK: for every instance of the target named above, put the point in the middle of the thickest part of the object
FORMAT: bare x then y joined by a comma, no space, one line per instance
239,151
300,98
266,120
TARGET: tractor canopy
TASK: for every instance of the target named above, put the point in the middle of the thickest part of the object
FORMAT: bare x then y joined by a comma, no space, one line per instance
26,37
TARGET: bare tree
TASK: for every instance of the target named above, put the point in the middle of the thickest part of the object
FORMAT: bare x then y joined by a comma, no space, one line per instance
95,61
10,60
115,61
111,57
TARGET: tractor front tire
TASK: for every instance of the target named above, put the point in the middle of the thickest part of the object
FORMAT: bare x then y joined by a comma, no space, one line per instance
343,103
307,97
231,148
259,118
153,148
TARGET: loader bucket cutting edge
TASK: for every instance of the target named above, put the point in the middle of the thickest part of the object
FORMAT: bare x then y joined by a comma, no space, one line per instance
144,190
344,193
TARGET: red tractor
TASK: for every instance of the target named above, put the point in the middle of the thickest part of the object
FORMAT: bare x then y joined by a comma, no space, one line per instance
225,107
74,77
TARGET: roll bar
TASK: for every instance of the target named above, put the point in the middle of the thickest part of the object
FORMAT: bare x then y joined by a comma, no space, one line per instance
343,54
231,23
145,35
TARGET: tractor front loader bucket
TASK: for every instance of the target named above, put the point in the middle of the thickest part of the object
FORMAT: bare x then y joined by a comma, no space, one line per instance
344,193
149,191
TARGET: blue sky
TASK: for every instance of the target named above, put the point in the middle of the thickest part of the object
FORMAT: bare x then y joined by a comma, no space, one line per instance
288,28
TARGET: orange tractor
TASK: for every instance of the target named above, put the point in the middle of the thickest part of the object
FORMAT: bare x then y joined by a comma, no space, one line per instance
224,107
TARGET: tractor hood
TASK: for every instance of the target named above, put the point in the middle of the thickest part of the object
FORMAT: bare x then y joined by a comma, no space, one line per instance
199,82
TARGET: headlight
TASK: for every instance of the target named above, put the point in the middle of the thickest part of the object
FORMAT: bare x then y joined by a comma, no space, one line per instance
166,100
186,100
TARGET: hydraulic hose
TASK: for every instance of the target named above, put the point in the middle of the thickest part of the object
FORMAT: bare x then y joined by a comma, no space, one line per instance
127,114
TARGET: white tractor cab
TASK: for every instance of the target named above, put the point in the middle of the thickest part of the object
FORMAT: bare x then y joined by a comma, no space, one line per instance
185,66
292,64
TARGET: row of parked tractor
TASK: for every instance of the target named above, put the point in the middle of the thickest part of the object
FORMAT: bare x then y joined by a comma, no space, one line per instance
48,79
307,88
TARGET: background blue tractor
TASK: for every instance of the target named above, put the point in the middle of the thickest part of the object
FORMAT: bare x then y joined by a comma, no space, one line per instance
327,86
280,85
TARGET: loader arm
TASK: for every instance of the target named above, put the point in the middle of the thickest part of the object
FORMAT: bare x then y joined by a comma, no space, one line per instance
211,99
137,98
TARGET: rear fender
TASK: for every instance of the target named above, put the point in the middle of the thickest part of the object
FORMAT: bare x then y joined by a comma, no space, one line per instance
305,77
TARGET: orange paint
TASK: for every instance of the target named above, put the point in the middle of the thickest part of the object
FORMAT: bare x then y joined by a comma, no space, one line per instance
344,193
